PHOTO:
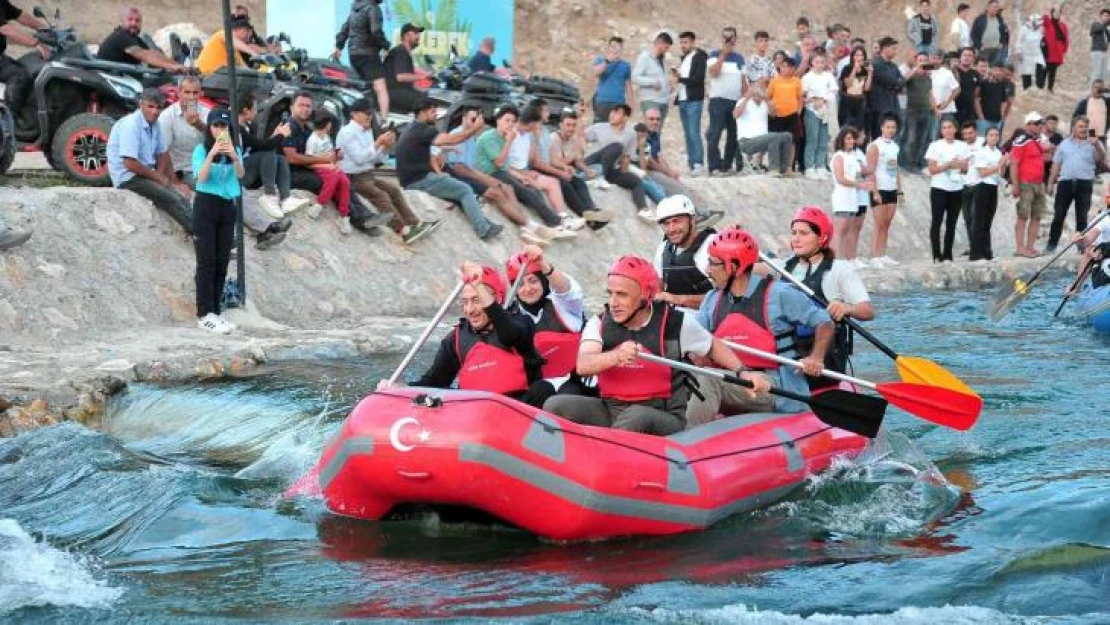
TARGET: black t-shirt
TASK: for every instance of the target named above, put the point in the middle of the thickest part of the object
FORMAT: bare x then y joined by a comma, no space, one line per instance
298,137
414,153
115,47
398,61
992,95
965,102
7,13
926,26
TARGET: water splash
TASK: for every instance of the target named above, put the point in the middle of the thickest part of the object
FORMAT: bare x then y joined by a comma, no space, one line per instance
739,614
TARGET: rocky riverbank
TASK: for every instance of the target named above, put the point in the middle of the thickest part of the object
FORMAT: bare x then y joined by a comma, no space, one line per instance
103,296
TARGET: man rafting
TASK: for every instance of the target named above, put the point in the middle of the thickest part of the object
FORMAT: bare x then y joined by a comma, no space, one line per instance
681,257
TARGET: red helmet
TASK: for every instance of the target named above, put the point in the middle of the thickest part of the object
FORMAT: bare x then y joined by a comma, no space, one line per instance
734,244
820,221
515,262
639,271
492,278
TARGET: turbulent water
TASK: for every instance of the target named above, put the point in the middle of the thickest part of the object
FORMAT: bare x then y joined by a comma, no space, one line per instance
172,512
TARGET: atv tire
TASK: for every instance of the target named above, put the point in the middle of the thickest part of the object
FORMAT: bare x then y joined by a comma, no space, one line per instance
79,148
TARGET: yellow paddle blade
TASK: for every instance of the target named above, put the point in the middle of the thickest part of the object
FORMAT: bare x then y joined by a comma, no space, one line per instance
921,371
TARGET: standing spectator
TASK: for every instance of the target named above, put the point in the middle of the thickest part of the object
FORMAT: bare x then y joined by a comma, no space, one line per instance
754,135
993,98
946,90
886,84
882,159
848,181
989,34
364,35
726,83
969,85
1030,56
801,30
691,99
959,34
804,54
614,80
920,107
1100,38
1027,182
650,75
1051,138
855,83
1094,107
970,135
922,29
613,144
400,72
361,152
219,167
1056,43
819,88
414,164
948,159
760,66
138,160
183,125
1074,165
482,60
985,170
785,95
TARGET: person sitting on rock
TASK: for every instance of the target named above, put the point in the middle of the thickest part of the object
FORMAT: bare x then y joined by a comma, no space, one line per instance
665,180
184,125
611,146
682,257
637,395
761,313
268,169
490,349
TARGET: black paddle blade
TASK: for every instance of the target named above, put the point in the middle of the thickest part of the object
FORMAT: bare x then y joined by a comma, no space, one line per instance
860,414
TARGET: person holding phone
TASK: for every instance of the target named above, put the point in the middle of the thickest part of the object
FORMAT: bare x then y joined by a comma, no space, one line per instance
219,168
614,80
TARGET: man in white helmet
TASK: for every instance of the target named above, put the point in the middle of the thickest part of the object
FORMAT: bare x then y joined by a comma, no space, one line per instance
683,256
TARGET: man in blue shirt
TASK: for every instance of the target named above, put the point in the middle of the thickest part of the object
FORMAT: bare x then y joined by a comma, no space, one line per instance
481,61
614,80
138,160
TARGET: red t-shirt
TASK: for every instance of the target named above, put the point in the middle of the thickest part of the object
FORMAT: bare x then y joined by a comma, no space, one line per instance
1028,156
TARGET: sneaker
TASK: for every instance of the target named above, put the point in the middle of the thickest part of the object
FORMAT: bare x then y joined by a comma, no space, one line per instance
545,232
811,174
282,225
293,204
268,239
413,233
563,234
231,327
709,219
13,238
648,216
314,210
271,206
573,223
599,216
213,324
885,261
345,225
529,236
697,171
494,230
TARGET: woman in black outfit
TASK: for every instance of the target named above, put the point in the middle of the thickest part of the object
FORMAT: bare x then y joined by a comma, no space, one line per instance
855,82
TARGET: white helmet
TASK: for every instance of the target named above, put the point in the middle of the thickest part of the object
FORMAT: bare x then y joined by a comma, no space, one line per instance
672,206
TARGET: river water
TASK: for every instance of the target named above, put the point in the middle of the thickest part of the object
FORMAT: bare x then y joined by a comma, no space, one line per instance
171,512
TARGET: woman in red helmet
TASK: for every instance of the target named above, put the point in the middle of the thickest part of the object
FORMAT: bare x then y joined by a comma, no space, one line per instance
637,395
761,313
490,349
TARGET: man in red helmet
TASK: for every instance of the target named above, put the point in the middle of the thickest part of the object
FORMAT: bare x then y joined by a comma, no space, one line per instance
761,313
490,349
637,395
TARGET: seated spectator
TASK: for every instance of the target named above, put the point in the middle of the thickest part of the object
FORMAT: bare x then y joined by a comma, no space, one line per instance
754,136
360,153
481,61
400,72
263,165
183,125
522,153
139,162
662,180
336,185
124,45
575,192
414,165
214,54
611,145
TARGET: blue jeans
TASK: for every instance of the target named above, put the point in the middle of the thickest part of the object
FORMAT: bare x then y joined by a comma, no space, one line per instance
817,142
983,125
721,119
653,189
690,114
447,188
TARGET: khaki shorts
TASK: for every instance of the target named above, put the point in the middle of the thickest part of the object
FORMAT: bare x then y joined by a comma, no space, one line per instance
1032,202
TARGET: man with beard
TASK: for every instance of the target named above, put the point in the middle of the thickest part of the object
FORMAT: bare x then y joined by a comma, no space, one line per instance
125,45
682,258
400,73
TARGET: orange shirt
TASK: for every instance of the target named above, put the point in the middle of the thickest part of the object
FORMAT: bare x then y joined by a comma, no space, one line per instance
214,54
785,95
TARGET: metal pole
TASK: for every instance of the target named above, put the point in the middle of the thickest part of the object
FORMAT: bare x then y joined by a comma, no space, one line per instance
233,104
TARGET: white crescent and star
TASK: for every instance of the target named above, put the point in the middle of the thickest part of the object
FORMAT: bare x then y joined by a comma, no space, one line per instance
395,433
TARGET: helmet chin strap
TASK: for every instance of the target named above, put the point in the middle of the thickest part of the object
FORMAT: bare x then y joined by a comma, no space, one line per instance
819,251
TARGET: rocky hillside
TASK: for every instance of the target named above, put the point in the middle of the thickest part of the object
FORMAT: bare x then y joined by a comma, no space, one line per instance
94,20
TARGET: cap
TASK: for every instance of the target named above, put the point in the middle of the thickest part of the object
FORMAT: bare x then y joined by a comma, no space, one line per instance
1033,117
219,116
154,95
409,27
241,22
886,42
361,105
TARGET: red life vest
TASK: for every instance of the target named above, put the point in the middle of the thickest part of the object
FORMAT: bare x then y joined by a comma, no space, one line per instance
556,342
744,321
486,364
642,380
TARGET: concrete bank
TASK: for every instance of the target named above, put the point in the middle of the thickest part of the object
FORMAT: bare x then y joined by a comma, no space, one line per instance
103,293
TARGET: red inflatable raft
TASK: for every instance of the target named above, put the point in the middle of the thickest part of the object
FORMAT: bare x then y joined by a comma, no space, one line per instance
558,479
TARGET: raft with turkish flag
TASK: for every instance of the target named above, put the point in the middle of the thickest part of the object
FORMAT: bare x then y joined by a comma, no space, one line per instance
558,479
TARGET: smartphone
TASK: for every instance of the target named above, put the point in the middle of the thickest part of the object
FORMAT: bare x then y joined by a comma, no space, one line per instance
928,67
285,117
1092,133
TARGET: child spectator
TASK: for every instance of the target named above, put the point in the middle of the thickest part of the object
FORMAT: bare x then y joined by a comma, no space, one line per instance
336,185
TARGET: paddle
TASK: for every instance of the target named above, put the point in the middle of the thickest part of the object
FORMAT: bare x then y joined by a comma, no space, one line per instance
427,332
1074,285
511,296
1010,294
912,369
937,404
859,414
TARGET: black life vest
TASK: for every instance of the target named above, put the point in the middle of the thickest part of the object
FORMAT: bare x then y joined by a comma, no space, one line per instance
642,380
1100,273
681,275
836,359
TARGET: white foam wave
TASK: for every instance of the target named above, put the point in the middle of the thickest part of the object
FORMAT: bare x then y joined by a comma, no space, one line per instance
739,614
34,574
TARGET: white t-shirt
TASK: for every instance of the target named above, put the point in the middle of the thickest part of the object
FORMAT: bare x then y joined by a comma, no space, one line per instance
729,83
943,153
861,195
845,199
821,85
520,151
982,157
318,144
693,338
886,166
944,83
840,283
961,29
1103,233
752,122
